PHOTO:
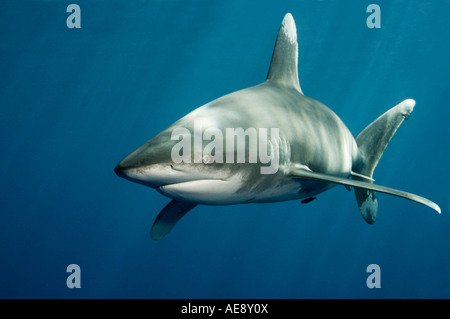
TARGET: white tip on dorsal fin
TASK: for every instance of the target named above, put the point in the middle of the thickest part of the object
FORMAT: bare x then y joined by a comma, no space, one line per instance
283,67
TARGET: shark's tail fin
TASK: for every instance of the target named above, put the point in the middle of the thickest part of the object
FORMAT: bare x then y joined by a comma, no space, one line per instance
372,142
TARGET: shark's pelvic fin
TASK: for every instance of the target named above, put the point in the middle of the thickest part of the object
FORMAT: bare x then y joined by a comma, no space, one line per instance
168,217
305,174
283,67
372,142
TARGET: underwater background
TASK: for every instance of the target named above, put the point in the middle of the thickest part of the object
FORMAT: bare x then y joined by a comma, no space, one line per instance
74,102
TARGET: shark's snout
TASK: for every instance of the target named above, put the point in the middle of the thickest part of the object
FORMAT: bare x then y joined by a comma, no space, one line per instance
127,172
119,170
154,175
148,176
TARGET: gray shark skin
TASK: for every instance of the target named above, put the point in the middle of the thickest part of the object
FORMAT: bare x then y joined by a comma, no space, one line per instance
315,150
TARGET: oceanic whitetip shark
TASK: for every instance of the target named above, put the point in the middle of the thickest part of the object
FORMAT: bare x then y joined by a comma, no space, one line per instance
309,150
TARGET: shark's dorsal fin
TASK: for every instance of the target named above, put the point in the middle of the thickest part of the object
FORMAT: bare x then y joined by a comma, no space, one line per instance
283,67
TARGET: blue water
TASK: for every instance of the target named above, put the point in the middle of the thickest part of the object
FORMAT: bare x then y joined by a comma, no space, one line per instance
75,101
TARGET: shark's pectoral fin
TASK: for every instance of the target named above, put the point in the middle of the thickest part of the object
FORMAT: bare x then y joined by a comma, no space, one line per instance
305,174
168,217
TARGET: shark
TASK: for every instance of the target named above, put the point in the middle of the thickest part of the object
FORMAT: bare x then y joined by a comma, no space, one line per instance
208,156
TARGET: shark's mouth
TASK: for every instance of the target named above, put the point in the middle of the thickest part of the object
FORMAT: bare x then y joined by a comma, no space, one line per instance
205,191
159,176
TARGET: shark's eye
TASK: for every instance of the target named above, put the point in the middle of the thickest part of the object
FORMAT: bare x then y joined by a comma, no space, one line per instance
206,159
